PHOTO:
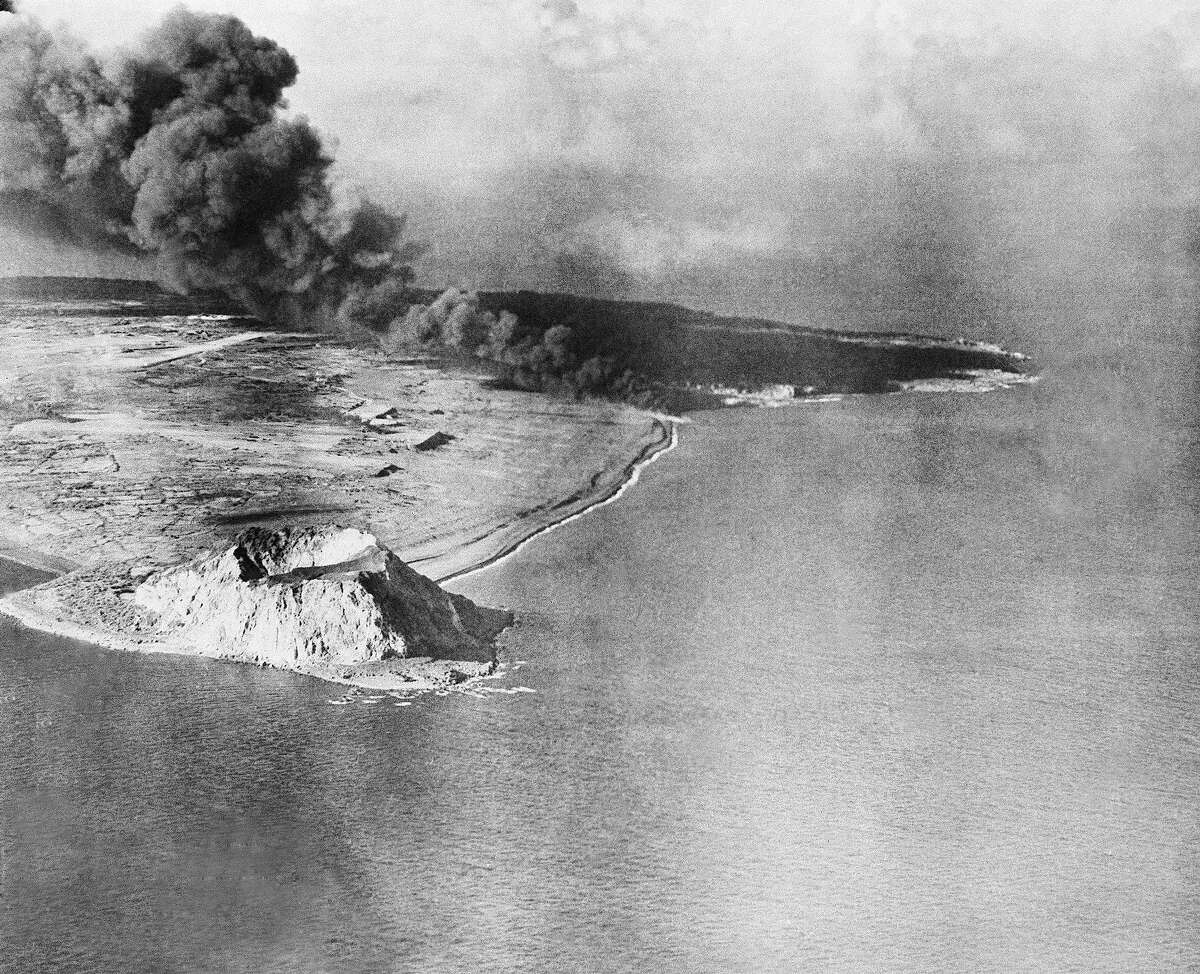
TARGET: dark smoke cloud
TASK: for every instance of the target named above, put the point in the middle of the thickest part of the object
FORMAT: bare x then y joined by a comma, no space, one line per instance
876,164
179,149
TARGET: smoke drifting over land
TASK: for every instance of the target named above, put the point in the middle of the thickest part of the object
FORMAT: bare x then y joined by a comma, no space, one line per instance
178,149
875,163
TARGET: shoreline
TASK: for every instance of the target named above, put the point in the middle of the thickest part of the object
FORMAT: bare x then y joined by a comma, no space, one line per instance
415,674
633,473
499,541
505,540
38,607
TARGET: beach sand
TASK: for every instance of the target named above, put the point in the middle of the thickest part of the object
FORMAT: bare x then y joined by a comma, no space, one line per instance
132,441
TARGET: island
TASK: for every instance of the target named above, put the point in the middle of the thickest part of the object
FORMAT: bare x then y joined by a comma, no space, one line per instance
201,481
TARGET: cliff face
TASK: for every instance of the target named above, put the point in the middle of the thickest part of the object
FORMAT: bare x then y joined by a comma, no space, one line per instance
328,596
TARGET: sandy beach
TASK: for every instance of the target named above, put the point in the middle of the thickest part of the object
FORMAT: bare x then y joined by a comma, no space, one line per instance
87,604
140,441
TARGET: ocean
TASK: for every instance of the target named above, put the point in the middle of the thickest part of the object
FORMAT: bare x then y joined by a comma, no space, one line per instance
890,683
894,683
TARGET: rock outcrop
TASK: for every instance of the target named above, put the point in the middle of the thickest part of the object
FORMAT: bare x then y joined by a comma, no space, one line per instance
438,439
313,599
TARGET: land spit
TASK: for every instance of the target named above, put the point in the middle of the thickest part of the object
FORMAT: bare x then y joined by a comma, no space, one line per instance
135,433
130,441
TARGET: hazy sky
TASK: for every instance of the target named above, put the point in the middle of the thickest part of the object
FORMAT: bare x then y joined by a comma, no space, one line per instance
719,151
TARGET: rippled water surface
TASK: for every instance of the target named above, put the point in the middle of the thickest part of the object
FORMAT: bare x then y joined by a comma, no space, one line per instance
845,686
902,683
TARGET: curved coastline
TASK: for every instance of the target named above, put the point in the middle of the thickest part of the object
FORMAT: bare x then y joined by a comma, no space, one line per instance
501,542
41,609
411,676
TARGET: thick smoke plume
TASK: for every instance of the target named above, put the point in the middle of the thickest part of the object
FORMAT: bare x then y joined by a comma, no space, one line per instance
179,149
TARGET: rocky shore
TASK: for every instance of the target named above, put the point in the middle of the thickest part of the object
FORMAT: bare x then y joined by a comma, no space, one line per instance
326,602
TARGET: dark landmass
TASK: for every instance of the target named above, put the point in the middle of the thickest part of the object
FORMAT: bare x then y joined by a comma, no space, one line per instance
86,295
651,353
678,346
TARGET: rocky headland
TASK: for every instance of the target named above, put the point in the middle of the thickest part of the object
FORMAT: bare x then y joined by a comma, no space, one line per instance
327,602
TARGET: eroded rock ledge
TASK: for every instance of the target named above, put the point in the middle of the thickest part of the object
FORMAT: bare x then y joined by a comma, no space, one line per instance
329,602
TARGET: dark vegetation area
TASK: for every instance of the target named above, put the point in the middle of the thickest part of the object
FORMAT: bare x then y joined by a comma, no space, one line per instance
178,148
647,353
78,289
651,352
78,296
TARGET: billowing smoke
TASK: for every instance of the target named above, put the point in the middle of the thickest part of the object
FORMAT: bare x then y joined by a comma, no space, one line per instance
877,163
179,149
873,163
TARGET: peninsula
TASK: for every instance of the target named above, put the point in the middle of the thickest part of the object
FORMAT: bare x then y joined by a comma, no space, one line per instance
142,431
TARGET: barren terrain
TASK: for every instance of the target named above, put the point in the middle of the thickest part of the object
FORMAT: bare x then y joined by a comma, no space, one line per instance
128,435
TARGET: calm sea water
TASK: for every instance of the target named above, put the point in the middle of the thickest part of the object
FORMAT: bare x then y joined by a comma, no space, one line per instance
903,683
888,684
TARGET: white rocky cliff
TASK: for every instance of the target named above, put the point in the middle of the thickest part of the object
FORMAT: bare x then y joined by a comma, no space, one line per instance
329,601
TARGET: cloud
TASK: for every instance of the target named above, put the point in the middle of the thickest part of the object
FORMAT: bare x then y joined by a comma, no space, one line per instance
716,148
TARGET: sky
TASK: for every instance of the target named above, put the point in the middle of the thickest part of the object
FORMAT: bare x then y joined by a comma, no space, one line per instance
795,158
